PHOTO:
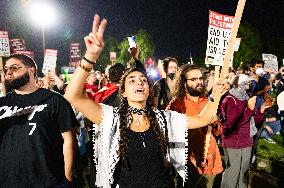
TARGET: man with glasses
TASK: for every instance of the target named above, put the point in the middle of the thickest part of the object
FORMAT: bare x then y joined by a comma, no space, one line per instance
36,131
189,98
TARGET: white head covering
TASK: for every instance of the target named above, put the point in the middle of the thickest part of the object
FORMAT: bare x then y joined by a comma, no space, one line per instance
242,78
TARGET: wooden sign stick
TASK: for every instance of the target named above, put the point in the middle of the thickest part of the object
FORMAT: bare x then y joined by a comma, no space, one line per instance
209,127
229,51
225,68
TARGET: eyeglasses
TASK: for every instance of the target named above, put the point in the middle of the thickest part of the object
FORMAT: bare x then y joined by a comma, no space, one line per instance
12,68
195,79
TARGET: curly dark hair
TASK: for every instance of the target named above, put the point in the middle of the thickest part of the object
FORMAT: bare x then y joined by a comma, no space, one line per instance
180,81
255,61
122,111
115,72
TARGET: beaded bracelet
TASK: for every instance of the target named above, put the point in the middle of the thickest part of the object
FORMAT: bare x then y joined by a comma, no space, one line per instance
91,62
84,67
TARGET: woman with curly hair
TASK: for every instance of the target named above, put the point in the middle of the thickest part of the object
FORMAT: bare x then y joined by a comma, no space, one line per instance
135,142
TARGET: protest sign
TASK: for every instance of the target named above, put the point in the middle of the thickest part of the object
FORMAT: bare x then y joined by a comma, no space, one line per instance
4,44
4,52
219,32
17,45
75,54
233,36
49,64
270,63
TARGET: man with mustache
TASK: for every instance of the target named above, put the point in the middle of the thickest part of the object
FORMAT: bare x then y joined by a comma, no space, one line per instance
189,98
36,131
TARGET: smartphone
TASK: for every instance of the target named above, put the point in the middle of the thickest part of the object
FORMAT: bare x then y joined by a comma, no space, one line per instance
131,42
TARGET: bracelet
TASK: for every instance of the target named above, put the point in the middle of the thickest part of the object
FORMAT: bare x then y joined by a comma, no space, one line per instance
85,68
91,62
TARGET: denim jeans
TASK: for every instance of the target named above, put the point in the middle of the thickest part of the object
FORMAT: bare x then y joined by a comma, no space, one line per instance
275,126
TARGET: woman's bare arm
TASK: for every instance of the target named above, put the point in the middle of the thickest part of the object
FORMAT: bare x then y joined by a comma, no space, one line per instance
74,92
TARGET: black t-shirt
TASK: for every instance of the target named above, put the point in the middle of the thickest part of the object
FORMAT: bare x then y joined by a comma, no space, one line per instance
146,166
31,144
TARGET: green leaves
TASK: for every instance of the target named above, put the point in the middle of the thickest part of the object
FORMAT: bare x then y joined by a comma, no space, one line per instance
250,46
144,43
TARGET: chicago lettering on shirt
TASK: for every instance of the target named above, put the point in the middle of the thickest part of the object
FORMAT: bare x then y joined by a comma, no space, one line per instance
10,111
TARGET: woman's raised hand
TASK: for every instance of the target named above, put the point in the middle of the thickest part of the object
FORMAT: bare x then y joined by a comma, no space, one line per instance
95,40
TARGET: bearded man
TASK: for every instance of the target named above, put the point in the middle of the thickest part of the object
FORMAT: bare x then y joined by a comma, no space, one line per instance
36,131
189,98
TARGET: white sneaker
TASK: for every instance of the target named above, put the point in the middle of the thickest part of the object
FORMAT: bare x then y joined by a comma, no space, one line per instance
277,133
269,140
253,159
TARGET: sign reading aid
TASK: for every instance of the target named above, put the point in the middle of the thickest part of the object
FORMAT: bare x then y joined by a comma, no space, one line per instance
4,44
219,32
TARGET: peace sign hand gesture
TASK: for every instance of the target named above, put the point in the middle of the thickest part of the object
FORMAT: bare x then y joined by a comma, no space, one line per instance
95,40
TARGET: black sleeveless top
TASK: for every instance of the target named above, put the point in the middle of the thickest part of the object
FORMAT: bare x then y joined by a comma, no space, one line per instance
145,161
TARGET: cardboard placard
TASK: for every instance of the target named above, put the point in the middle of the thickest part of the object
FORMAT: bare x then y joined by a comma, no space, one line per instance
49,63
219,32
4,44
75,54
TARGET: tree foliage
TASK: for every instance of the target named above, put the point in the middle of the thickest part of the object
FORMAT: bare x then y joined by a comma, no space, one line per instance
144,43
250,46
111,45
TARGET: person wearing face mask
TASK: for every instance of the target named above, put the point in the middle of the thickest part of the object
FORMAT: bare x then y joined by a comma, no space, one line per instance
238,123
259,85
135,144
164,87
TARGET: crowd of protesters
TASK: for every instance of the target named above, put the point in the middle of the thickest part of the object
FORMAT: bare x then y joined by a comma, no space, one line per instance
121,131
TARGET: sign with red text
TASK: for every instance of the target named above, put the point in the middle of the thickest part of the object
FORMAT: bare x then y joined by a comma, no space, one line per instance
270,63
17,45
75,54
4,44
219,32
49,64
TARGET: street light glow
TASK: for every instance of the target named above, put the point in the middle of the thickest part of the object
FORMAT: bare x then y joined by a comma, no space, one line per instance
42,13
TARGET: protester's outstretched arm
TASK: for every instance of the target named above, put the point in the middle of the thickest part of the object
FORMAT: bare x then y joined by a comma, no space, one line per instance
210,111
74,94
135,54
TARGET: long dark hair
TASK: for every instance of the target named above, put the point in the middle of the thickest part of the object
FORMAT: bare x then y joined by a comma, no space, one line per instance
122,111
180,81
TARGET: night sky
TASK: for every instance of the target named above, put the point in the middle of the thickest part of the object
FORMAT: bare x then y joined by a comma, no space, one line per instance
176,27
